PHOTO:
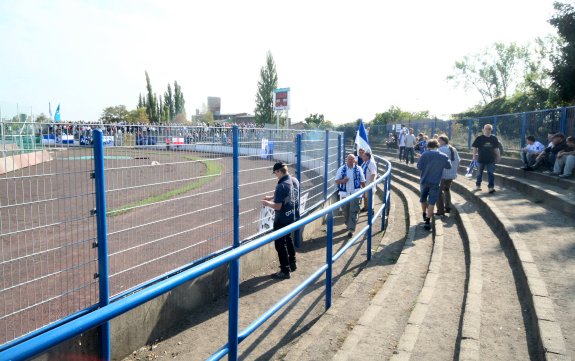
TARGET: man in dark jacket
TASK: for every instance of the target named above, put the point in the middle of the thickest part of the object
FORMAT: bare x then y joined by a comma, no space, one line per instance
285,203
431,164
487,147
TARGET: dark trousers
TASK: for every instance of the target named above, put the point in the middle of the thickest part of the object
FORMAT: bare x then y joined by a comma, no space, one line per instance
444,200
401,152
285,249
409,155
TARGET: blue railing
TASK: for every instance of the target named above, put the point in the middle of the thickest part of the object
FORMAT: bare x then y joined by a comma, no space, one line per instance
42,341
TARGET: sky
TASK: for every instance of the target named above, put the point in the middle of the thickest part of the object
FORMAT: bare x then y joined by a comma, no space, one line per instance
343,59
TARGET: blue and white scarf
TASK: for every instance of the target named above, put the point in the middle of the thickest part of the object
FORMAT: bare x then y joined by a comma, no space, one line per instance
356,178
364,167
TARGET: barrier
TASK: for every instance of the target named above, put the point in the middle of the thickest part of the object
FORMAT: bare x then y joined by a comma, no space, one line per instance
100,316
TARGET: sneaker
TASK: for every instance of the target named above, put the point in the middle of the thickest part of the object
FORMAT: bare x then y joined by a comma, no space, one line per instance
527,168
491,190
564,175
427,224
281,276
478,188
447,210
292,267
349,234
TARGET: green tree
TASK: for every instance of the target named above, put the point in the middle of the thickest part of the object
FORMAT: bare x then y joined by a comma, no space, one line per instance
314,119
114,114
169,103
266,85
563,72
43,118
395,115
151,102
138,116
179,102
492,72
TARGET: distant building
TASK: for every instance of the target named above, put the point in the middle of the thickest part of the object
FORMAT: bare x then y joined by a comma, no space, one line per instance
214,106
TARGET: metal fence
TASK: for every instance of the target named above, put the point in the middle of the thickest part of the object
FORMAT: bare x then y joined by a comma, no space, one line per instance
510,129
101,316
169,204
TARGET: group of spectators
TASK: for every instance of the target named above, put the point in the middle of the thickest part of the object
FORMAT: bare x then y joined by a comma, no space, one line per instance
558,158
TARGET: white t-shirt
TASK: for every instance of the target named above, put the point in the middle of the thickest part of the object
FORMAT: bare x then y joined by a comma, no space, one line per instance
349,187
536,147
402,137
370,170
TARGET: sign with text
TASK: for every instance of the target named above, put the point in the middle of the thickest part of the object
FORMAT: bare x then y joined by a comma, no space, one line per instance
282,99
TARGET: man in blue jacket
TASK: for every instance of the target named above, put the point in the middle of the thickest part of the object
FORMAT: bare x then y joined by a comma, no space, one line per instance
431,164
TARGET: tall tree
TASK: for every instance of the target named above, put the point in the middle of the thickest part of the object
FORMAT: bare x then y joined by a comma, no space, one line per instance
114,114
169,103
179,102
151,102
395,115
266,85
563,72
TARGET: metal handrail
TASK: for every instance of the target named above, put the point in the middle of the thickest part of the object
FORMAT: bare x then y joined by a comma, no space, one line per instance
101,316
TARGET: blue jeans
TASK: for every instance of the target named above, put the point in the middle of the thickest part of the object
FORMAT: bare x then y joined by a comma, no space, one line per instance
490,167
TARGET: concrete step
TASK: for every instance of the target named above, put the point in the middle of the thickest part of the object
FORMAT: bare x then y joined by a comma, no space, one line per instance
541,278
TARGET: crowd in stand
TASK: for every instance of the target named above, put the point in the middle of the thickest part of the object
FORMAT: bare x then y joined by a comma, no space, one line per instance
558,158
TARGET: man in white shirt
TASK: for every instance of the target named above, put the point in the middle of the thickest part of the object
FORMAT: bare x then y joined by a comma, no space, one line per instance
531,151
350,179
402,135
410,147
369,167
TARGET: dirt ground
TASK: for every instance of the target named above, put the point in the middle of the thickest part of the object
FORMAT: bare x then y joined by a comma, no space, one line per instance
48,234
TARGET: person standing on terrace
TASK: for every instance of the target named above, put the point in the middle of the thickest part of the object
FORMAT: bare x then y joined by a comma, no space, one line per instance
486,153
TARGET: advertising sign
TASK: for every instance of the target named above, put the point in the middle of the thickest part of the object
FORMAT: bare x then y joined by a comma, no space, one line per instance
282,99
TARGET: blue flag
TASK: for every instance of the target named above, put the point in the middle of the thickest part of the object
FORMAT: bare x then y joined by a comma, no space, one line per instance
57,115
361,138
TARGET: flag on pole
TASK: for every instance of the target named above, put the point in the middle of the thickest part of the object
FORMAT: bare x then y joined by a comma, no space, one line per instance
361,138
50,109
57,115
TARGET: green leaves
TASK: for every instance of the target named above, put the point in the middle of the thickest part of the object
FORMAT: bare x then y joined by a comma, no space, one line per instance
266,85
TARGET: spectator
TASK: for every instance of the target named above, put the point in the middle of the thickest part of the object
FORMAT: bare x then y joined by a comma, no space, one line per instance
431,164
402,134
565,162
548,156
530,152
409,147
284,202
350,179
487,147
421,145
369,167
444,199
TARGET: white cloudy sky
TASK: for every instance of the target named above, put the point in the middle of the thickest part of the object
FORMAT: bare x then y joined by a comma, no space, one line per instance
345,59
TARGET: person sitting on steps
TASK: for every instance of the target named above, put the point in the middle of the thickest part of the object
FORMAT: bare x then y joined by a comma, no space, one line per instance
530,152
548,156
565,162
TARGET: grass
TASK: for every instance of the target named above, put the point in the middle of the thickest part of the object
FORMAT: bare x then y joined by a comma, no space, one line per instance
213,169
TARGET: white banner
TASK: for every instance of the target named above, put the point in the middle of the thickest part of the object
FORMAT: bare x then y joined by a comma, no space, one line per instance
266,219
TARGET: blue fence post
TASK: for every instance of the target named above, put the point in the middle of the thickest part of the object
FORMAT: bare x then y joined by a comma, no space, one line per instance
449,129
469,124
563,121
297,234
339,150
495,125
329,260
103,269
369,221
234,271
326,163
523,128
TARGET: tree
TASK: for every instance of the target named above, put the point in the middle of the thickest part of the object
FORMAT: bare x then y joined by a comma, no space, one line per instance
138,116
314,119
169,103
179,102
266,85
395,115
43,118
114,114
563,72
151,102
491,72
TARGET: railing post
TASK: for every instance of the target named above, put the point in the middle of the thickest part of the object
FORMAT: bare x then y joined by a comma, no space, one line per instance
329,260
343,149
297,234
369,221
563,121
234,271
339,150
325,165
103,269
523,129
495,125
469,124
386,205
449,129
